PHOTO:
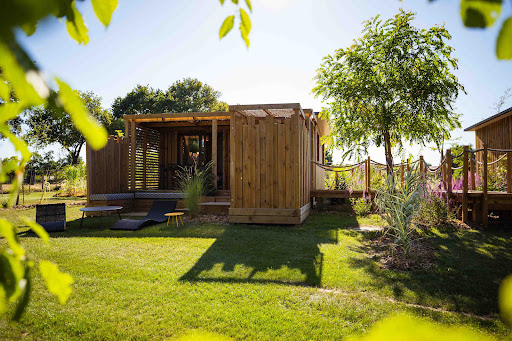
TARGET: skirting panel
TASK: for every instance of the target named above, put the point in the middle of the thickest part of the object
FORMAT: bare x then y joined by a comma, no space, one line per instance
269,215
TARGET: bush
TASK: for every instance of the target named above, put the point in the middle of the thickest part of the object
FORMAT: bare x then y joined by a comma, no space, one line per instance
434,210
362,206
75,182
398,206
195,183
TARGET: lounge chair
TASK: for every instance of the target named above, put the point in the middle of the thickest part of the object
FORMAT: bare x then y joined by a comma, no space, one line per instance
52,217
154,216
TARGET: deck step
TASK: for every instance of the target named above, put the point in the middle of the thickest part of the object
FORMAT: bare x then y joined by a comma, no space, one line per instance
215,207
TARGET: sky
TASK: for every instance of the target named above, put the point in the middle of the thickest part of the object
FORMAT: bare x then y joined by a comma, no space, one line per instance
158,42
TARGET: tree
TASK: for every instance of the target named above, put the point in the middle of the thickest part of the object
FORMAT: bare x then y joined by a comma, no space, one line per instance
393,85
47,125
187,95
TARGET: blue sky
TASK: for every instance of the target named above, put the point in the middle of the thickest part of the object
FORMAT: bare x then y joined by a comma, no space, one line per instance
158,42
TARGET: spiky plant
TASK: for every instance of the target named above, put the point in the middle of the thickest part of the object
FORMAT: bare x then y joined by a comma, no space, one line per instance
398,205
195,183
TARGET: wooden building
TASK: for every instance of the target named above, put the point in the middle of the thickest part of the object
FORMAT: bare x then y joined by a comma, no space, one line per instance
495,132
261,155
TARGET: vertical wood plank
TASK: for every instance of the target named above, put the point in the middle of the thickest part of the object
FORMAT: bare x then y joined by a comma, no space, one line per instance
238,149
257,169
275,162
449,176
465,184
289,167
251,162
214,152
263,163
282,164
245,175
133,146
485,199
270,160
472,170
144,158
509,172
232,178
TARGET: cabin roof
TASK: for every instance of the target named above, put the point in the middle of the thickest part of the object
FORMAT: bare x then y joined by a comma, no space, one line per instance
489,120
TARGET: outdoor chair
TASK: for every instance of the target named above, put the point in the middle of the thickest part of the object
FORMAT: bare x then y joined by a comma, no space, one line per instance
52,217
155,216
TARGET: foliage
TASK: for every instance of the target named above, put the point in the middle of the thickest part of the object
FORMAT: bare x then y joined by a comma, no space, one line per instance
398,205
335,180
362,206
245,21
75,180
195,183
47,125
187,95
433,209
394,85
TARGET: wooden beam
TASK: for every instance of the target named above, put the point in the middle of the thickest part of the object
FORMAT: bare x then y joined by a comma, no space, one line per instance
465,184
182,124
144,152
485,199
177,116
265,106
133,146
214,152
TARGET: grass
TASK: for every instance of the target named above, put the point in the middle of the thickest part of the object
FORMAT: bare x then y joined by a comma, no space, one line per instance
253,282
33,198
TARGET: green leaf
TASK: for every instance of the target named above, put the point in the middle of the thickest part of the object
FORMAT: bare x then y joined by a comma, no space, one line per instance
504,42
234,1
10,110
480,13
221,2
8,232
58,283
94,133
227,25
5,92
245,26
248,2
38,229
23,302
505,300
11,276
29,29
14,73
104,10
76,26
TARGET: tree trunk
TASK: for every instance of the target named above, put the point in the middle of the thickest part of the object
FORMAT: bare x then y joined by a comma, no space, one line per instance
389,155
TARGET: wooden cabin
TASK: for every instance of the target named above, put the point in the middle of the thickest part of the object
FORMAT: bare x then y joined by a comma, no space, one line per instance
495,132
261,155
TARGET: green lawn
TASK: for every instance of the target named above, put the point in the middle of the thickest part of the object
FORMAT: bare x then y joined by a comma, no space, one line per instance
35,197
253,282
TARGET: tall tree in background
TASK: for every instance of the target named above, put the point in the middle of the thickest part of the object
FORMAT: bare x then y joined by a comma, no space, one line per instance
45,125
394,85
188,95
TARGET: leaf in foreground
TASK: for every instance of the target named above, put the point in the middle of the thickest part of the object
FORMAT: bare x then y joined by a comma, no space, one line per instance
58,283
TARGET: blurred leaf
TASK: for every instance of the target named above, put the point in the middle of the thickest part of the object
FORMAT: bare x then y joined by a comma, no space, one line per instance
38,229
227,25
505,300
235,1
25,296
14,73
58,283
10,110
5,91
245,26
18,143
248,2
76,26
480,13
504,42
403,327
8,232
94,133
104,10
11,276
29,28
221,2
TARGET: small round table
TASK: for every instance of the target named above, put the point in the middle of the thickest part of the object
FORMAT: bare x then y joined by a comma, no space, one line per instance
100,209
174,215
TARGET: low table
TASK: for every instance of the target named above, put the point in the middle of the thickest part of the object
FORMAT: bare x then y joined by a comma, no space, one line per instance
174,215
100,209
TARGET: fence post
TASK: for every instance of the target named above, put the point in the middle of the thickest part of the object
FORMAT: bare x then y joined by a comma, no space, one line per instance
485,201
422,167
336,180
509,172
368,176
402,174
409,164
465,184
449,176
472,170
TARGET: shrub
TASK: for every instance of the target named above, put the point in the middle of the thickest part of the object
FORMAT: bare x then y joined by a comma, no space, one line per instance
433,209
195,183
362,206
74,182
398,205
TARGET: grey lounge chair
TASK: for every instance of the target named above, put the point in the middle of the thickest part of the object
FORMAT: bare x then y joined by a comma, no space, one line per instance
154,216
52,217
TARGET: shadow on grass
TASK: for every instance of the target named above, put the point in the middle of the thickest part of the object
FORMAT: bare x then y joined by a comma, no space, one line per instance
470,266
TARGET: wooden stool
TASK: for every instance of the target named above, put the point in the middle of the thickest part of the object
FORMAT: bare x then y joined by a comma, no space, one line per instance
174,215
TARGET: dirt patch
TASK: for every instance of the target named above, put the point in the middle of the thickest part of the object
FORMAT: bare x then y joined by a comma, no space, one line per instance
390,256
206,219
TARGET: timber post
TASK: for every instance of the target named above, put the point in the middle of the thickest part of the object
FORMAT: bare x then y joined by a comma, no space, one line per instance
509,172
402,174
472,169
423,169
368,176
465,184
449,176
485,199
214,153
